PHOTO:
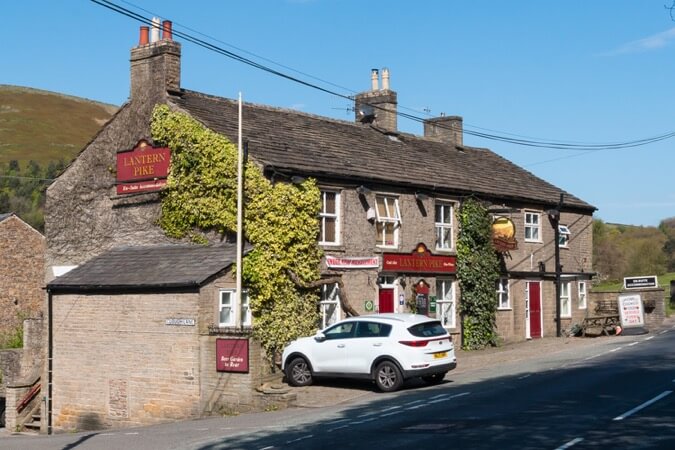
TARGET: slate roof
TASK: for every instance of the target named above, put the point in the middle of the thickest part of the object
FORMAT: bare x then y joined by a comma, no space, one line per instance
5,216
166,266
294,142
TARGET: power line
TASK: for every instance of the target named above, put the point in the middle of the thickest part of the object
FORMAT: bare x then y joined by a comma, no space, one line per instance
529,142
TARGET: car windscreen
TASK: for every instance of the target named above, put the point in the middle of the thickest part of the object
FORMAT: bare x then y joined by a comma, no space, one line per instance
428,329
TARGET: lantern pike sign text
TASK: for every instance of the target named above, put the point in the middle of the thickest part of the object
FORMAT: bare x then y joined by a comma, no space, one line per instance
142,169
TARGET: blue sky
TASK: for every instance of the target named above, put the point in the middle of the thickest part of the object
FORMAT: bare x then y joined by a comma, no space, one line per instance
598,71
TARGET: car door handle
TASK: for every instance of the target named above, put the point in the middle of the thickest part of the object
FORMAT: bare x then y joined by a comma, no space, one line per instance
377,344
341,345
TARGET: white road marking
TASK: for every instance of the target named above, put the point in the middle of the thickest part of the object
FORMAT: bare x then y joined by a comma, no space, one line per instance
525,376
393,413
338,428
642,406
570,443
309,436
649,338
615,349
412,403
633,343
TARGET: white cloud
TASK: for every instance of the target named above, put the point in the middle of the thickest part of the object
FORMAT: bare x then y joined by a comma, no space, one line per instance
653,42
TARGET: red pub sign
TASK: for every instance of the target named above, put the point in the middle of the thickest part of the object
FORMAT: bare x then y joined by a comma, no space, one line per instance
419,261
142,169
232,355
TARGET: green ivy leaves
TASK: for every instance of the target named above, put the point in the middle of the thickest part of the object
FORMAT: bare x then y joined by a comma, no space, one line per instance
280,220
478,272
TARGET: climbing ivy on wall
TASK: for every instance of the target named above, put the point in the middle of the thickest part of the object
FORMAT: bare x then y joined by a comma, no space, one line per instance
280,220
478,272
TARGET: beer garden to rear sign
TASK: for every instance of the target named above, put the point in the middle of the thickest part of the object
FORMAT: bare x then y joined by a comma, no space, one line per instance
142,169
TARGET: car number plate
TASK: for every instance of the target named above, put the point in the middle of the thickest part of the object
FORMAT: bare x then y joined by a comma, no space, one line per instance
440,355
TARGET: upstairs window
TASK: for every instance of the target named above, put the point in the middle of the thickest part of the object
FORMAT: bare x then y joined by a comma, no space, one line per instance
444,226
532,227
563,235
388,221
330,218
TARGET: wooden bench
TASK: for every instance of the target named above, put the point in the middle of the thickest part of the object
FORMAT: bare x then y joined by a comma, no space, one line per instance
606,317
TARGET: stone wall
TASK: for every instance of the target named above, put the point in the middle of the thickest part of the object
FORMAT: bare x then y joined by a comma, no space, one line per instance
653,301
22,253
116,363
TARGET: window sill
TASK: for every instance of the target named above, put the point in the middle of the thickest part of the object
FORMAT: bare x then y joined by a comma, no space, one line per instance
505,309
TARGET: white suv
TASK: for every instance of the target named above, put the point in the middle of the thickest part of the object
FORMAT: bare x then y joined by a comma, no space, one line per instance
386,348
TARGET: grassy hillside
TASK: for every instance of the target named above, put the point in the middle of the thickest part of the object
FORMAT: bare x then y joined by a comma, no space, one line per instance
45,126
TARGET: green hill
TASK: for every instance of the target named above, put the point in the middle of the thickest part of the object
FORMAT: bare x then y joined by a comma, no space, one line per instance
46,126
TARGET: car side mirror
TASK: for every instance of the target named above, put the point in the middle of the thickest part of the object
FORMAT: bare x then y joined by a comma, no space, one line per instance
319,337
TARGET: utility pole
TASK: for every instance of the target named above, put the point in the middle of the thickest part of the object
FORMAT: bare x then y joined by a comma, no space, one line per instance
554,217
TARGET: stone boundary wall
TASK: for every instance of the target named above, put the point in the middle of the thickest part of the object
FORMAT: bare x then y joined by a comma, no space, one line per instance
653,301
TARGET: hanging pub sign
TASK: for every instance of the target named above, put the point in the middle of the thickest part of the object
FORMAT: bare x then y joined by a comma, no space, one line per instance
419,261
504,234
232,355
142,169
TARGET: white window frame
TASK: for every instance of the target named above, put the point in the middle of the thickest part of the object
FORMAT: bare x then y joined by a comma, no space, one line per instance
534,227
564,236
583,295
246,318
228,294
330,305
565,299
325,216
503,295
444,225
446,301
392,215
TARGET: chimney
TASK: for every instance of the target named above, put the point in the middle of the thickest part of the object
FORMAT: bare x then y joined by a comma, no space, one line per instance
155,63
377,106
446,129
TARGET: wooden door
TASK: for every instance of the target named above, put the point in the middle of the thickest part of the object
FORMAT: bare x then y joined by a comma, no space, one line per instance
386,301
534,301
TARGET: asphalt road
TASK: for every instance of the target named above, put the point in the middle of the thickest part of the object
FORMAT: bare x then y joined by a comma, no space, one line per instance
618,394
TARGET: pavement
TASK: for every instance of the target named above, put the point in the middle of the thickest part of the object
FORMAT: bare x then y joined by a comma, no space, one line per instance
332,392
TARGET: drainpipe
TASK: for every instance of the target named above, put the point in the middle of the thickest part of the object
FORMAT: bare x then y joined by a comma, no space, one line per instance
50,354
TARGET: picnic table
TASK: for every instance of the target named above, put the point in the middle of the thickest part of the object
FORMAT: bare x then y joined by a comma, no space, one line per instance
606,317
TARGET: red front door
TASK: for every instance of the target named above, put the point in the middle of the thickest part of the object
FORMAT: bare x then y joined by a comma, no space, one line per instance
386,301
534,300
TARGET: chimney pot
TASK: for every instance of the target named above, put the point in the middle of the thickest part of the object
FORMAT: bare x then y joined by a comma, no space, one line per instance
154,33
385,79
374,80
143,39
167,34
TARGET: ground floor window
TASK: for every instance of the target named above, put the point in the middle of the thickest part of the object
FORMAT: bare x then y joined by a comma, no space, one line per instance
227,308
503,301
582,295
565,300
329,304
445,302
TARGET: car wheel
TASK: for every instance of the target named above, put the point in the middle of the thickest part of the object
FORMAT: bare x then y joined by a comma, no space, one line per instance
435,378
298,372
387,377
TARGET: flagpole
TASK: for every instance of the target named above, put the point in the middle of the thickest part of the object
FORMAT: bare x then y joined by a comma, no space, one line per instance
240,203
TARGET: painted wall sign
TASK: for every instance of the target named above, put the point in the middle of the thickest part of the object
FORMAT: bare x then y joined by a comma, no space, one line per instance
352,262
640,282
232,355
419,261
504,234
142,169
631,311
